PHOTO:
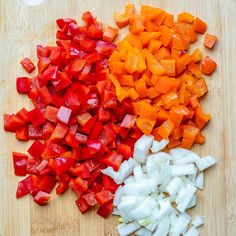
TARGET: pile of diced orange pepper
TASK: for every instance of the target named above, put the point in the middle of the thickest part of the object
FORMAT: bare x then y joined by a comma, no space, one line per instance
153,69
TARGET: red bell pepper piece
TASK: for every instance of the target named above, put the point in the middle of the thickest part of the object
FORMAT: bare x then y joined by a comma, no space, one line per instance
83,118
105,210
53,150
83,207
81,170
42,51
23,84
96,187
48,128
103,115
23,187
125,150
20,163
96,130
42,198
95,30
62,82
92,164
50,113
81,138
46,183
88,18
95,174
88,45
43,168
113,159
43,63
64,114
62,22
109,99
86,128
27,64
50,73
45,95
35,117
22,133
61,188
72,101
107,135
105,48
89,199
79,186
23,115
76,66
35,132
12,123
63,164
94,146
109,184
59,132
103,197
36,149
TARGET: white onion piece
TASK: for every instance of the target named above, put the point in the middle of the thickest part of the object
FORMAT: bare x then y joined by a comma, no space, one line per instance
189,192
138,173
129,202
174,186
192,232
181,223
163,227
110,172
118,195
143,232
161,157
205,162
32,2
116,211
152,170
179,152
199,183
197,221
188,169
158,146
128,229
190,158
130,179
192,178
192,202
141,148
165,209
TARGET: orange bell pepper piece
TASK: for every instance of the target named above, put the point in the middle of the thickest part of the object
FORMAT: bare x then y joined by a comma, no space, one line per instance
196,55
208,66
169,65
209,41
200,118
109,34
166,35
190,132
132,94
199,26
120,92
146,126
154,66
136,24
126,80
200,87
185,18
187,143
166,129
170,99
166,84
121,20
141,88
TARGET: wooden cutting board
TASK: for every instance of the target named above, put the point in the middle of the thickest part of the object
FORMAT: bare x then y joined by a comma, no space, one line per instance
22,27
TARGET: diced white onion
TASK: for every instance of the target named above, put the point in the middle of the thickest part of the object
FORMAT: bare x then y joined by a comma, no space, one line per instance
128,229
205,162
118,195
192,232
188,169
174,186
199,183
143,232
158,146
197,221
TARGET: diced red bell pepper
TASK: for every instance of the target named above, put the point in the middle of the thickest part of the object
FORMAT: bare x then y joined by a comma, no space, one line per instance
35,132
43,168
46,183
79,186
83,118
72,101
81,138
83,207
103,115
109,99
20,163
27,64
64,114
43,63
12,123
35,117
103,197
96,130
88,18
92,164
53,150
36,149
113,159
48,128
23,187
61,188
89,199
105,48
86,128
22,133
63,164
109,184
62,82
94,146
76,66
125,150
23,115
96,187
42,51
88,45
23,84
105,210
42,198
107,135
50,113
59,132
45,95
62,22
81,170
95,30
50,73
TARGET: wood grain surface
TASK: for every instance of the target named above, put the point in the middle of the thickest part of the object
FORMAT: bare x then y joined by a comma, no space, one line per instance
22,27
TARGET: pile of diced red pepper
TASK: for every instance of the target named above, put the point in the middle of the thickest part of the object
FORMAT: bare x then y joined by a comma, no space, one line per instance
77,123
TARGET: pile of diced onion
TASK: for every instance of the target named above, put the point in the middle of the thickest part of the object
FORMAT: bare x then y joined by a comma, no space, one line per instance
157,188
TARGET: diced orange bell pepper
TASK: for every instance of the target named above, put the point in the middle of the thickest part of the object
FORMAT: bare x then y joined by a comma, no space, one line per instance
196,55
209,41
166,129
154,66
166,35
208,66
132,94
141,88
126,80
109,34
166,84
121,20
200,87
169,65
190,132
170,99
185,18
154,45
187,143
146,126
200,118
199,26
